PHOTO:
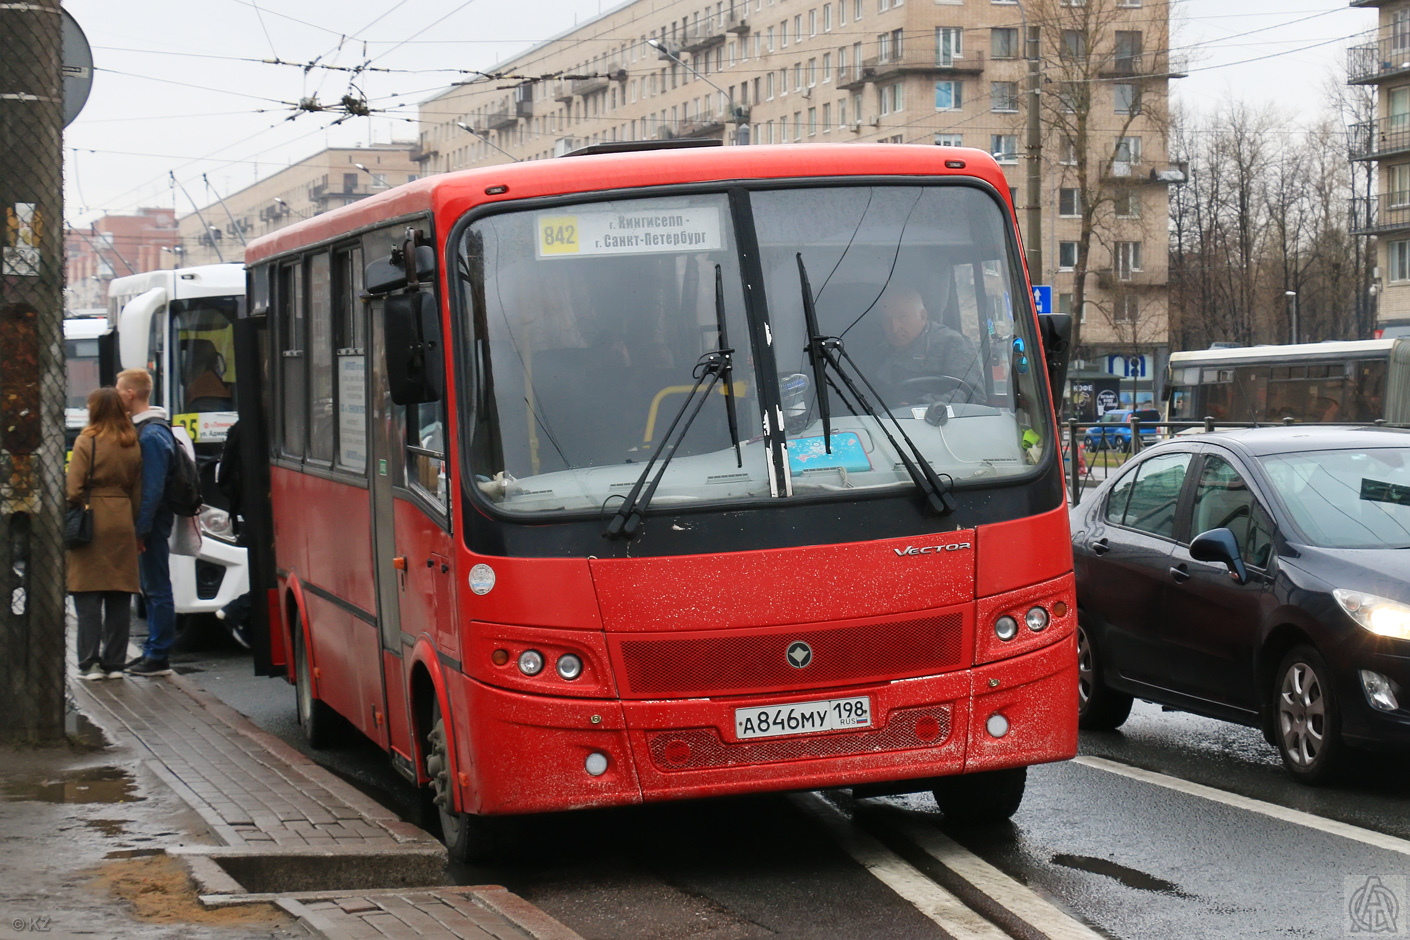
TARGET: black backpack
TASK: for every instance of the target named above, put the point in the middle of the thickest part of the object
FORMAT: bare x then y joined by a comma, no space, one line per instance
182,493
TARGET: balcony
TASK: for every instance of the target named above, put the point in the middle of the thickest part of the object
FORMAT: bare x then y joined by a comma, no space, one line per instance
1377,61
924,62
1144,172
1145,65
1110,279
705,34
1376,139
501,119
590,84
703,124
524,108
1378,215
737,24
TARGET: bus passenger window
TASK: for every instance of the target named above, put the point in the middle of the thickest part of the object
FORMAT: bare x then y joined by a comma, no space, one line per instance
425,450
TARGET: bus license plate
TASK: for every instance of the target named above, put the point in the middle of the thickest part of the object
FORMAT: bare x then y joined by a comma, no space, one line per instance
836,714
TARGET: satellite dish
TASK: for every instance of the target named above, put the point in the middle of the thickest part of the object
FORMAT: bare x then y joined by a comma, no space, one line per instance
77,68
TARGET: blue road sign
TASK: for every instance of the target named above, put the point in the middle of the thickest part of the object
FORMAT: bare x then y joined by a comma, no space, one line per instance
1043,298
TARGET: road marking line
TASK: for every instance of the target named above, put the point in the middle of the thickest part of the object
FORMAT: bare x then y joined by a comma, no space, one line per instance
900,876
1019,900
1296,816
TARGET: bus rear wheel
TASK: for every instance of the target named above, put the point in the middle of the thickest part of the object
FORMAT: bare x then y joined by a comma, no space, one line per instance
469,839
990,796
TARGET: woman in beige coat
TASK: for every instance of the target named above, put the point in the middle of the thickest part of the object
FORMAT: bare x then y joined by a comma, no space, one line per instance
103,574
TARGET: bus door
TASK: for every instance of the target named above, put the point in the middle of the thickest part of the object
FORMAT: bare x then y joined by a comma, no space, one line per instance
412,544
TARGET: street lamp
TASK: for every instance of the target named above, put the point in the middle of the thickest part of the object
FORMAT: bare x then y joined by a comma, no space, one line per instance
1292,296
470,130
736,113
177,254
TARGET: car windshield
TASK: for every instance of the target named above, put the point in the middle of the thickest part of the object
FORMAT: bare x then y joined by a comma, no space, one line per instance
1346,498
590,320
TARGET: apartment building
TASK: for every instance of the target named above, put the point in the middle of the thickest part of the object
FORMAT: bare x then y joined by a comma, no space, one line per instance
927,72
1384,64
328,179
115,246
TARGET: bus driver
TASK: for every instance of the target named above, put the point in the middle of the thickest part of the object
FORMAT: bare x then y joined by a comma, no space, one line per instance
918,351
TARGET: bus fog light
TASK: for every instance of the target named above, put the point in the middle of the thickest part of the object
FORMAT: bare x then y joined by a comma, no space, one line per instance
570,666
1036,618
1380,691
596,764
1006,628
997,725
531,662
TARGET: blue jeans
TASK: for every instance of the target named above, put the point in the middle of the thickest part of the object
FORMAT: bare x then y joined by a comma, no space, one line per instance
155,566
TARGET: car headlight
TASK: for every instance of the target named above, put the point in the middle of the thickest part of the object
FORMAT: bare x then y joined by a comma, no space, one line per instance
1382,616
216,523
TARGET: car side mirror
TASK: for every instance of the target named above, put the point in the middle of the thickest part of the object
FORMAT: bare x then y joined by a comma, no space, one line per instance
412,336
1220,545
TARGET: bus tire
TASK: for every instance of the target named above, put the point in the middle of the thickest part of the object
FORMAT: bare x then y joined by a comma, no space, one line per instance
469,839
315,718
989,796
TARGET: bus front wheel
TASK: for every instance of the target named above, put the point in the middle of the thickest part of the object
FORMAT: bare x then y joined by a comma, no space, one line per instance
469,839
989,796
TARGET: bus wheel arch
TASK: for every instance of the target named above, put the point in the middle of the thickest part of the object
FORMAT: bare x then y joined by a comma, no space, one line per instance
316,719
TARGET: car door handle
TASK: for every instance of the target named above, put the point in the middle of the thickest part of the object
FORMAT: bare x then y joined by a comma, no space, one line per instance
1100,547
1179,574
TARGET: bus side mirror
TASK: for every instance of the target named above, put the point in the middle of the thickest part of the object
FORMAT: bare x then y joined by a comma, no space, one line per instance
412,336
1056,329
390,273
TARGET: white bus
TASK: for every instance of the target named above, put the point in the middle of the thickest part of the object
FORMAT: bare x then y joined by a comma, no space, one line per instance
1361,380
177,324
83,372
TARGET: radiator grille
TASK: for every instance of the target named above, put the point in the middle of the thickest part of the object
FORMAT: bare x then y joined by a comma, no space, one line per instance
755,662
701,748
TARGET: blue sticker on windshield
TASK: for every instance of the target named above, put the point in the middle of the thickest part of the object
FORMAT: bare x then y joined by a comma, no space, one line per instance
807,453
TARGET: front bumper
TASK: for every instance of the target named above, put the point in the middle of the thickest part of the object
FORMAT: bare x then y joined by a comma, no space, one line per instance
527,753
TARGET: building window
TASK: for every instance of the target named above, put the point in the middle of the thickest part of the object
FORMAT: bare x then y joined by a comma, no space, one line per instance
1128,97
1124,308
1004,147
812,122
949,140
1074,44
949,96
827,118
1128,259
1064,303
1128,152
1072,96
1003,96
1069,202
1069,152
1067,256
893,99
1003,43
827,67
1127,203
1128,51
1398,185
1398,260
949,46
827,17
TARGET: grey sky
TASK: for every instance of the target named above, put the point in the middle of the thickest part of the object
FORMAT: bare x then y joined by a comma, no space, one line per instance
172,94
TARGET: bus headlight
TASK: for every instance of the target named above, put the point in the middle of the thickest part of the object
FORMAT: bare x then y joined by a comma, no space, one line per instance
531,662
570,666
216,523
1036,618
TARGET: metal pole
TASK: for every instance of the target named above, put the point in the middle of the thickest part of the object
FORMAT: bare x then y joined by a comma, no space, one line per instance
1034,243
1292,296
233,224
32,387
205,227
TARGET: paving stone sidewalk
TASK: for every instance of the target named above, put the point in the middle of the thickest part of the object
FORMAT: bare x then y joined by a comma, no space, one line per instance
282,815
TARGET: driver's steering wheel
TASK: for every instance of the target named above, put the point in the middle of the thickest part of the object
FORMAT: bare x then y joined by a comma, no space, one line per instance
936,385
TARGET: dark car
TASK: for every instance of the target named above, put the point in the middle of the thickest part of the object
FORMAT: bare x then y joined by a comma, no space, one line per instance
1113,432
1259,576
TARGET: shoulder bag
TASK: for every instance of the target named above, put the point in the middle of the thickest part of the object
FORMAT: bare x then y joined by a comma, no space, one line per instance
78,521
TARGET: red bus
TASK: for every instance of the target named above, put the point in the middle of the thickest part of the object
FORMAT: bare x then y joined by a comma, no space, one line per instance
650,473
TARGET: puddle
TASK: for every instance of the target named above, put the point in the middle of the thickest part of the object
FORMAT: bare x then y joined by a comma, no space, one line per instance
108,827
1130,877
95,785
83,733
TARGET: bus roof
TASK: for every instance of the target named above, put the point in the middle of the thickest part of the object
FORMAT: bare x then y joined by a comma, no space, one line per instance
1361,349
85,327
451,194
201,280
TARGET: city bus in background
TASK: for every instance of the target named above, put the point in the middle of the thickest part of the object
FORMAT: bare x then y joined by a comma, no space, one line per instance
586,488
84,371
177,324
1360,380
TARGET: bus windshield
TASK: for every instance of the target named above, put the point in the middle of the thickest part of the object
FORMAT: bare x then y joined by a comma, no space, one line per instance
81,359
590,320
203,379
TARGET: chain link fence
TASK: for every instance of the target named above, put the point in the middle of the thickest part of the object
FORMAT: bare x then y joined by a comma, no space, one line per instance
32,381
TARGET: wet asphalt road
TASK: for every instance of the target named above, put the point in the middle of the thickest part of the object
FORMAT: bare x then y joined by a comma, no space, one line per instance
1130,858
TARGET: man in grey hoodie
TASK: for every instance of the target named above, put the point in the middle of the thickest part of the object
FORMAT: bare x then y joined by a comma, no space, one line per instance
154,521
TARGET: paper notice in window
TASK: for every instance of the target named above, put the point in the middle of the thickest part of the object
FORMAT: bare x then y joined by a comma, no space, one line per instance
640,232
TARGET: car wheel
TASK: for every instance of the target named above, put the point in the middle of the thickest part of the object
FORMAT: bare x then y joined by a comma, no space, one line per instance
989,796
1098,708
469,839
1307,724
315,718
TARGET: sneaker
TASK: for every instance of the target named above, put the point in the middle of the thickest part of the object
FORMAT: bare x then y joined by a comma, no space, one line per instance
150,667
115,674
94,671
135,661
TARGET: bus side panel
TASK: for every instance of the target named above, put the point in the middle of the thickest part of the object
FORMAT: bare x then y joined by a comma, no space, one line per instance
291,524
396,729
332,636
339,540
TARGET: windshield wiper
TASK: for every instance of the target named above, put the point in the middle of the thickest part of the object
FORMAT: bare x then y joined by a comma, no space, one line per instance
714,366
828,351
